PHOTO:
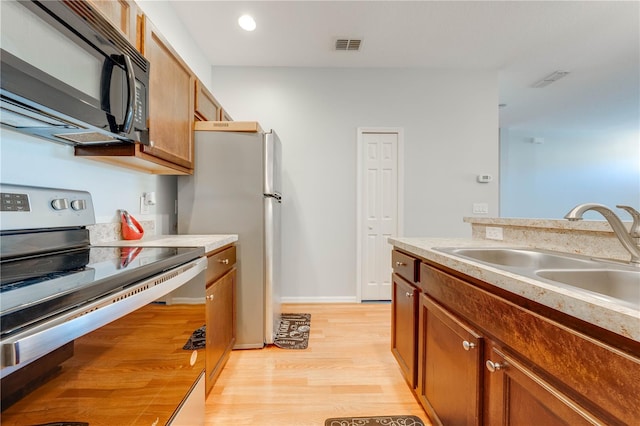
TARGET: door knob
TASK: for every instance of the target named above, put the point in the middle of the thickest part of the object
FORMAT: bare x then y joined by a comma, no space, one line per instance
494,366
409,294
468,345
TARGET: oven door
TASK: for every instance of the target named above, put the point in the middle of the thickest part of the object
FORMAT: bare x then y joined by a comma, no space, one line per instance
64,80
34,342
144,368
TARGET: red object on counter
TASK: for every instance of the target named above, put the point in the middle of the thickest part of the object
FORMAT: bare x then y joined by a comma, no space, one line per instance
131,229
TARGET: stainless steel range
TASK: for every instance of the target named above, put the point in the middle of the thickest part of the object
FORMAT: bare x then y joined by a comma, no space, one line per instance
57,291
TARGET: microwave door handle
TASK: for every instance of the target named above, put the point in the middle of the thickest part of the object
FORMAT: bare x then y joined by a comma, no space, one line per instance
131,99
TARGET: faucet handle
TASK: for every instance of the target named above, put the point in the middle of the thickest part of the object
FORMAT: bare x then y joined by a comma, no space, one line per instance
635,227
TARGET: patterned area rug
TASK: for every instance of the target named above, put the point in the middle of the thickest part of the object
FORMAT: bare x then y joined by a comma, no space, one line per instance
293,332
197,340
375,421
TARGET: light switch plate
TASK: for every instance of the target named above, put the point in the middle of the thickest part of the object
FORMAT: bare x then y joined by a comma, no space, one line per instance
480,208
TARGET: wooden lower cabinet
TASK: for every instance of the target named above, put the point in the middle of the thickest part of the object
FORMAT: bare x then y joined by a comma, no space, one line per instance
404,330
450,367
486,357
220,311
515,395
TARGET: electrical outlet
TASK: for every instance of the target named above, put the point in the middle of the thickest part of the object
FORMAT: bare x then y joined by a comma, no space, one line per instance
493,233
480,208
144,207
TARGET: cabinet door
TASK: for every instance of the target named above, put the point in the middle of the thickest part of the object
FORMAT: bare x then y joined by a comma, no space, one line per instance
221,325
450,366
122,14
404,310
515,395
206,107
171,93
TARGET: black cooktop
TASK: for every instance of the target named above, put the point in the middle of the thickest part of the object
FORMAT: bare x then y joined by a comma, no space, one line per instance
37,287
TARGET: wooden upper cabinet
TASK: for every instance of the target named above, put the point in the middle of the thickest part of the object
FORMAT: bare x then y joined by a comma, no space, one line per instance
207,107
122,14
171,109
171,101
224,115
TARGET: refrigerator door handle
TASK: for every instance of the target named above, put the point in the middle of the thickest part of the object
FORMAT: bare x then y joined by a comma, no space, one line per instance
275,195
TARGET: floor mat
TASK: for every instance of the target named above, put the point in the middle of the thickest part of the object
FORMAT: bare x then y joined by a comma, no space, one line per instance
197,340
375,421
293,331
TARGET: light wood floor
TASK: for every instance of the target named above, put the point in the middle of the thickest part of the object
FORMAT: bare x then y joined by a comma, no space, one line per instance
347,370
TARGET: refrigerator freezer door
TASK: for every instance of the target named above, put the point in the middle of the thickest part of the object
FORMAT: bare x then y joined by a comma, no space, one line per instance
272,156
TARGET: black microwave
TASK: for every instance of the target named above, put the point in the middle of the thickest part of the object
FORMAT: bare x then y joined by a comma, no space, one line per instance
68,75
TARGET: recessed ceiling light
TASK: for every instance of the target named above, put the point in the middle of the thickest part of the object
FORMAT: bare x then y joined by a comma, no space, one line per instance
247,22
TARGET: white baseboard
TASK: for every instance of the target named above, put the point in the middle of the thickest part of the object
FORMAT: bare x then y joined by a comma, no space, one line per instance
319,300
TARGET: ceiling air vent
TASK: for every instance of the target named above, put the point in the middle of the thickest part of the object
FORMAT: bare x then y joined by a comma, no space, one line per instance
352,44
554,76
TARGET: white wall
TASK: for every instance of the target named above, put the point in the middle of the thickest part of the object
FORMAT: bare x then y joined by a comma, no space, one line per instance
547,179
174,31
27,160
451,135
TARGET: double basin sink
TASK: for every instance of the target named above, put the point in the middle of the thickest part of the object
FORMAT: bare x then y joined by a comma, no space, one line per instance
611,281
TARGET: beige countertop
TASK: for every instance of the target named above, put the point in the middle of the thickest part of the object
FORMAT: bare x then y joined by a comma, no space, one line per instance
209,242
617,318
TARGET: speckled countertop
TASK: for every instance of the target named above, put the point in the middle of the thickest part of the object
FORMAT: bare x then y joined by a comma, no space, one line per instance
209,242
611,316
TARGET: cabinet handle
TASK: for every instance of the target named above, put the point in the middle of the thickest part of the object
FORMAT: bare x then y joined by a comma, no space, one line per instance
225,261
401,264
494,366
468,345
209,297
409,294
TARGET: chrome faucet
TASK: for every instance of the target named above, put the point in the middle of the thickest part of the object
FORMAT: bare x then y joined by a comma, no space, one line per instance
635,227
625,237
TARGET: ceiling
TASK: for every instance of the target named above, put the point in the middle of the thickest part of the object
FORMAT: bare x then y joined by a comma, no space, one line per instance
523,41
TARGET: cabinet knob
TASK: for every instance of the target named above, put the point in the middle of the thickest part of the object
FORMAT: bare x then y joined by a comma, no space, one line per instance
409,294
225,261
468,345
401,264
209,297
494,366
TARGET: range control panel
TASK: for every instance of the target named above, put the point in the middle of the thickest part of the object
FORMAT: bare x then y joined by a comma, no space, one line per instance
30,207
14,202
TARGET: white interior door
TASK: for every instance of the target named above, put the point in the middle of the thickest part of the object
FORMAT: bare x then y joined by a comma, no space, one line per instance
379,211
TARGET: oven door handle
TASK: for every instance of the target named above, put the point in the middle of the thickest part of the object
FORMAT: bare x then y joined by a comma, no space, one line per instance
44,338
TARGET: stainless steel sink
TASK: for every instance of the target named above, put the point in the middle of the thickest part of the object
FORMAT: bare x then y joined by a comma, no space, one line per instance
522,258
614,282
619,284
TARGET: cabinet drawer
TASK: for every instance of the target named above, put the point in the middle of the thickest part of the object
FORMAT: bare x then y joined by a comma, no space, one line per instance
405,265
220,262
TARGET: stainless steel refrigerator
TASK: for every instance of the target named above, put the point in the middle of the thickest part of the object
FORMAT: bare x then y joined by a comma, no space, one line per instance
235,189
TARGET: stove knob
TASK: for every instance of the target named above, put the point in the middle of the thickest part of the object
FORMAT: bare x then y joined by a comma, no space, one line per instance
78,204
60,204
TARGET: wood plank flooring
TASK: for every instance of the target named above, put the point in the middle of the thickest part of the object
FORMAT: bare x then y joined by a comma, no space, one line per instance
347,370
